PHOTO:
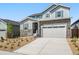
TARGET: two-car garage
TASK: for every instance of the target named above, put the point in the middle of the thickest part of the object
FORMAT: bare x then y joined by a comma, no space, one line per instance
54,31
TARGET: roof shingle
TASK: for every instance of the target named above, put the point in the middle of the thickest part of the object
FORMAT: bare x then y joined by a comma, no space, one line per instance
10,21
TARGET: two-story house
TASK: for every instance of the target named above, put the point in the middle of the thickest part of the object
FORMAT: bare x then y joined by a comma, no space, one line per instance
52,22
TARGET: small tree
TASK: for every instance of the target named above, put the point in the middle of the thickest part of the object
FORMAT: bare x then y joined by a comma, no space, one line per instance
10,29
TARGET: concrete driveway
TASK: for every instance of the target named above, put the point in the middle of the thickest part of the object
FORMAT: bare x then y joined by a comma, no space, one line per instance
46,46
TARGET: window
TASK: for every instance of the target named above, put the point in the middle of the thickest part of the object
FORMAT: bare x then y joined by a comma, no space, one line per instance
2,30
47,15
38,17
55,27
59,14
33,16
25,26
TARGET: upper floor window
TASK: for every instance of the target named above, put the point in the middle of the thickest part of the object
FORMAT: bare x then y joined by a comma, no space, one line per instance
38,17
33,17
59,14
47,15
25,26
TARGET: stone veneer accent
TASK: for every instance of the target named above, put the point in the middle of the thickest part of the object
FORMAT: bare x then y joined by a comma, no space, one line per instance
24,33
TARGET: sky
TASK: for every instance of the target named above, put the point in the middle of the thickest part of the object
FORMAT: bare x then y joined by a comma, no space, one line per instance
19,11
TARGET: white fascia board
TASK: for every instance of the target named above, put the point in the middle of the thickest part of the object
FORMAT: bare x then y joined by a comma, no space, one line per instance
3,21
52,19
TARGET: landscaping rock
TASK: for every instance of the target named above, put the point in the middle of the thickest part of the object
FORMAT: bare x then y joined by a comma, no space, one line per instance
77,43
13,44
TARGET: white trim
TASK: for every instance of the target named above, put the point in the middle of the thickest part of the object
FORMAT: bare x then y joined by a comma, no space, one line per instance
3,21
57,4
52,19
27,18
52,25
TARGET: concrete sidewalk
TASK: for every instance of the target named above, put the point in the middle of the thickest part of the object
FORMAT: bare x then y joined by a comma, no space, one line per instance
9,53
53,46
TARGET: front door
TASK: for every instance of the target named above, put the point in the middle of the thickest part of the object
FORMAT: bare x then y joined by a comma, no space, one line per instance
35,27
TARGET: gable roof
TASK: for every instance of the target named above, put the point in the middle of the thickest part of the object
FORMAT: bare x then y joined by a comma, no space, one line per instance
75,22
37,14
10,21
49,7
26,19
54,6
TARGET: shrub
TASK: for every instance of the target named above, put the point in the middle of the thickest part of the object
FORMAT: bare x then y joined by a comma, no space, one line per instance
22,40
18,43
12,47
73,40
74,43
27,40
78,49
12,44
5,47
7,43
1,46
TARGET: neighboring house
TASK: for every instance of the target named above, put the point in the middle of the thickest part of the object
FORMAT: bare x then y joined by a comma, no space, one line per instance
52,22
9,28
75,29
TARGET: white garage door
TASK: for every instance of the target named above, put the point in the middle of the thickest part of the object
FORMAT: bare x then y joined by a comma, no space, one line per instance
54,31
2,34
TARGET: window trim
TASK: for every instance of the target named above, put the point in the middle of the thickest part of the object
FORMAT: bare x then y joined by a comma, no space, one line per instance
39,17
48,15
25,26
61,12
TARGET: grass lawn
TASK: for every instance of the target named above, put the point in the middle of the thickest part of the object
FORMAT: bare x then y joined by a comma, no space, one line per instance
74,45
15,43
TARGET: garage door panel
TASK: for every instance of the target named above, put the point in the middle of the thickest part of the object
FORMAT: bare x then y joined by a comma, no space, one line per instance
59,32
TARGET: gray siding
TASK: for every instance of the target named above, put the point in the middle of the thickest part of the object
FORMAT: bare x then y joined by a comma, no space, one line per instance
3,29
28,31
